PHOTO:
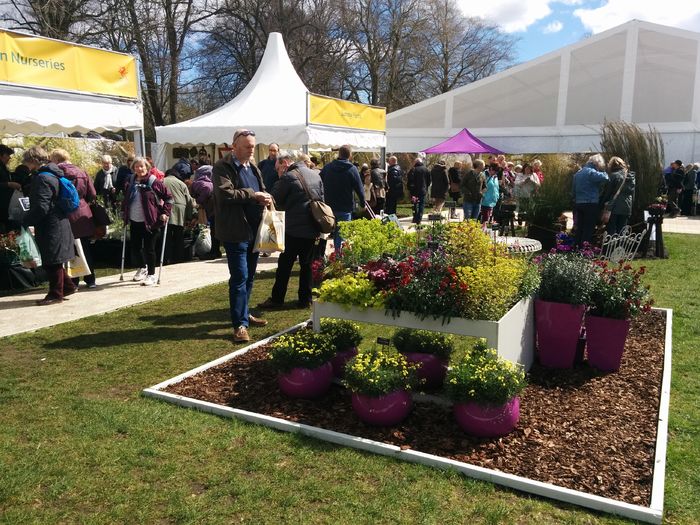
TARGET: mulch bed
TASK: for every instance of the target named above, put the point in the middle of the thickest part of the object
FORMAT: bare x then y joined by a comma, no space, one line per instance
579,428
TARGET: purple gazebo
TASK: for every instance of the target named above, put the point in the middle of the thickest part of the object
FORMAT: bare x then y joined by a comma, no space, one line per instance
462,142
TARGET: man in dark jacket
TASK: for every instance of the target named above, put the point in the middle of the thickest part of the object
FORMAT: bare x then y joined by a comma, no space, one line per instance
378,177
239,197
675,187
395,184
340,180
51,226
106,182
124,174
439,185
418,177
473,187
268,167
301,231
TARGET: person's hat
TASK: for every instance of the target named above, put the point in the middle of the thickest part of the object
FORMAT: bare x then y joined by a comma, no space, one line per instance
679,163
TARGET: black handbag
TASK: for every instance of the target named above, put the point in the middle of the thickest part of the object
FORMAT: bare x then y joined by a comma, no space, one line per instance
99,215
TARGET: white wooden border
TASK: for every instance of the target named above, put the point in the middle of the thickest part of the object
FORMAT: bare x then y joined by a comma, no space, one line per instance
513,335
651,514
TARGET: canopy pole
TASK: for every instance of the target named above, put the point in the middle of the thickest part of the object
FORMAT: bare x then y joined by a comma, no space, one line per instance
139,143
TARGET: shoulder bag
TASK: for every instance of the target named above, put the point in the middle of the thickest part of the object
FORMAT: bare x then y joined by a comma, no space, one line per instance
321,213
607,211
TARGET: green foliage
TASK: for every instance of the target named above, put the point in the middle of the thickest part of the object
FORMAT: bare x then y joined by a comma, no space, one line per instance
467,245
566,278
424,341
343,334
618,292
365,240
643,152
376,373
304,349
545,208
484,377
351,289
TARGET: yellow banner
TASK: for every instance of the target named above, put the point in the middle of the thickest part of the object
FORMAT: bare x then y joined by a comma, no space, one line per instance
335,112
35,61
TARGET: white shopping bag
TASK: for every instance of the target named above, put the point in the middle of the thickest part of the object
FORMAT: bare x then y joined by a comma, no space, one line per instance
78,266
270,237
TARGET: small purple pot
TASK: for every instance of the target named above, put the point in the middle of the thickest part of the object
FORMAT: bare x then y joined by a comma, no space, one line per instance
340,360
431,368
487,420
384,411
306,383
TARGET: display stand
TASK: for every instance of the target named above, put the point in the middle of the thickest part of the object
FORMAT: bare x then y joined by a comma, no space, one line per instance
513,336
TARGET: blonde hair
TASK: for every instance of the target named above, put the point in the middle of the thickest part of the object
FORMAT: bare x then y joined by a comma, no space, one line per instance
616,163
59,155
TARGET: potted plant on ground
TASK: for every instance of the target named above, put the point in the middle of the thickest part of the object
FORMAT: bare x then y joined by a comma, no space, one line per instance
617,297
380,384
566,282
484,389
303,361
345,336
429,351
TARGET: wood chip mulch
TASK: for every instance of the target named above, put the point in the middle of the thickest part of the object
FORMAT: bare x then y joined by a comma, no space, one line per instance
579,428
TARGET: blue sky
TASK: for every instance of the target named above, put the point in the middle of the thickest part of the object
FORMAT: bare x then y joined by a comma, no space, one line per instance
547,25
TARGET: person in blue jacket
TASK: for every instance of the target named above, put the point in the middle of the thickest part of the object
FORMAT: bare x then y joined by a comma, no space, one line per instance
492,193
589,182
340,180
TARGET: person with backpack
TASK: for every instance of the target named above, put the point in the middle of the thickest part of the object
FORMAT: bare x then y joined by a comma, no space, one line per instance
49,217
81,222
146,208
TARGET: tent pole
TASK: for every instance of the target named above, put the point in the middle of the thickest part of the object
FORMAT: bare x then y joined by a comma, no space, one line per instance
139,144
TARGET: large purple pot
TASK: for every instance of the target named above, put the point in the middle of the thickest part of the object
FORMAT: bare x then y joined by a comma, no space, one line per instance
431,368
558,328
340,360
306,383
605,339
385,411
487,420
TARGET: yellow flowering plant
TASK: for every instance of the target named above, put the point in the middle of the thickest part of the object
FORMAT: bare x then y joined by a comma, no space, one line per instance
376,373
302,349
484,377
351,289
344,334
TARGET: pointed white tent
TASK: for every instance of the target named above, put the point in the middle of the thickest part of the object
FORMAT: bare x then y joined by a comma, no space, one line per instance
637,72
273,104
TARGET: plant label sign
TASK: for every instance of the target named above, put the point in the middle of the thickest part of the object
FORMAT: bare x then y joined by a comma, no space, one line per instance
383,341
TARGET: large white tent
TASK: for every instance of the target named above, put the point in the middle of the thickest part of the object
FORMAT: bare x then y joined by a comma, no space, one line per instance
274,104
638,72
40,110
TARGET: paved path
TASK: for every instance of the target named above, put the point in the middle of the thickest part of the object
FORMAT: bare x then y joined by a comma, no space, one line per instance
19,313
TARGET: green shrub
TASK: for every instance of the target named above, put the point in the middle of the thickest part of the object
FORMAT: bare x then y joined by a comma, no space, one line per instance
424,341
343,334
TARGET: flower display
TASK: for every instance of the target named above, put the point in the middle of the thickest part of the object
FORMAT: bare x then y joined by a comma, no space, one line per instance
375,373
566,278
423,341
351,289
9,251
302,349
343,334
618,292
485,378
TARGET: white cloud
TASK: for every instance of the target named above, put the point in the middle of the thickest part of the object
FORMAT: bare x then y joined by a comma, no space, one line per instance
553,27
512,15
683,14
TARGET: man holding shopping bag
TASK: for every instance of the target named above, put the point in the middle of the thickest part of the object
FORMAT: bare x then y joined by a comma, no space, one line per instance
239,198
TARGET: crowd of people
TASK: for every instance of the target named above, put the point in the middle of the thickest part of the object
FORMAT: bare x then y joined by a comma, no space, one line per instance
230,196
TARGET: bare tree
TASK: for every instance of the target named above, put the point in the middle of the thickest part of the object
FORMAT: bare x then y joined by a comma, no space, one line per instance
61,19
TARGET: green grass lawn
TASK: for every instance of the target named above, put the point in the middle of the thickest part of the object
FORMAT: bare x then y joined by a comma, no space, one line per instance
79,444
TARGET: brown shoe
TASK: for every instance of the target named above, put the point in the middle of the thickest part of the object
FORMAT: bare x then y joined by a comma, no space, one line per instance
48,300
241,335
256,321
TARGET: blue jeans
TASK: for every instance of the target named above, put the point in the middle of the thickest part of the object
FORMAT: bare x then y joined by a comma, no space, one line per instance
471,210
242,262
418,208
337,239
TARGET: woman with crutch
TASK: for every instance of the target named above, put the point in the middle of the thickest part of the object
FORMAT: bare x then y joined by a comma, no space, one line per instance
147,205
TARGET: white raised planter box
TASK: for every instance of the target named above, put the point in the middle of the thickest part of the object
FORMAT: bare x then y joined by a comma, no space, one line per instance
513,335
650,514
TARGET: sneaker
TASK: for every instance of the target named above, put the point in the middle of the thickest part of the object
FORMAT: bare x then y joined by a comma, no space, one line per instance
150,280
91,286
140,274
240,335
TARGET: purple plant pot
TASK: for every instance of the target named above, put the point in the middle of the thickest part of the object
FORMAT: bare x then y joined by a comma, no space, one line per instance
340,360
487,420
605,339
306,383
385,411
558,328
431,368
